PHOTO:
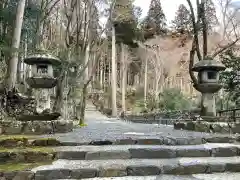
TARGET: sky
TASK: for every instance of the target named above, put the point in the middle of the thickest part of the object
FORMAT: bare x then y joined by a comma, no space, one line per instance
169,6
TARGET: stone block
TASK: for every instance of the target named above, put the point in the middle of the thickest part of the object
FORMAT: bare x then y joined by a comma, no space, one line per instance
193,152
1,130
118,154
84,173
182,141
38,156
179,125
17,157
170,141
4,156
20,175
46,142
37,127
224,151
152,153
193,168
28,128
216,168
53,174
220,139
13,142
190,126
115,170
62,126
125,141
150,141
217,128
235,128
202,127
12,127
71,155
196,141
233,167
225,129
171,168
143,170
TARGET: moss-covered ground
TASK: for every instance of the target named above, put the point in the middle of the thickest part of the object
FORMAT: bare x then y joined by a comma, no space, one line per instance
7,167
27,149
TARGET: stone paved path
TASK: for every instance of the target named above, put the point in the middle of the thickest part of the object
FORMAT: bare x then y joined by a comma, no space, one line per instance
100,127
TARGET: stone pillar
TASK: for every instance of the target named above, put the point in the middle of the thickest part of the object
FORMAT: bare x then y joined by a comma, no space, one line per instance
208,102
43,99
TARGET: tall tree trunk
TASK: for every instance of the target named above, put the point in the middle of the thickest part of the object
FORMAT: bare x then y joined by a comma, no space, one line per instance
83,105
25,65
85,87
156,85
109,73
86,63
13,63
104,73
101,74
85,91
114,77
145,83
124,74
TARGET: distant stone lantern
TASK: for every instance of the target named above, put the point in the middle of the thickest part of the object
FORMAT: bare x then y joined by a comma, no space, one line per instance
237,78
208,83
42,78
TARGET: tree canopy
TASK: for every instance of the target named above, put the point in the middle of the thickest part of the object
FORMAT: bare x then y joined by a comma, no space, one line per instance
155,22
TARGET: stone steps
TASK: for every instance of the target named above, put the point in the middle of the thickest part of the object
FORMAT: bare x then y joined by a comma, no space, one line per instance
215,176
80,169
147,151
144,157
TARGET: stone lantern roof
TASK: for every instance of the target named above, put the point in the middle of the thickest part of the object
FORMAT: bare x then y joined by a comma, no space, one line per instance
208,64
42,59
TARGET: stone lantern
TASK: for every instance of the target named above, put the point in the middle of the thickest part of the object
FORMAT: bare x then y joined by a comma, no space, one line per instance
208,83
42,78
36,116
42,71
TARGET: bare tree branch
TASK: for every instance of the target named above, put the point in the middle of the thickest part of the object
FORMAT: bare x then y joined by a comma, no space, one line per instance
204,28
225,47
195,30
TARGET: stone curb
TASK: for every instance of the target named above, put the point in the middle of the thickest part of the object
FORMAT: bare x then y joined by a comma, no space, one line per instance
158,141
216,176
146,152
146,167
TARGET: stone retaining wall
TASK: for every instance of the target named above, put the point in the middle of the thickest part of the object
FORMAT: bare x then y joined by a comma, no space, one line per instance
204,126
149,119
17,175
30,156
9,127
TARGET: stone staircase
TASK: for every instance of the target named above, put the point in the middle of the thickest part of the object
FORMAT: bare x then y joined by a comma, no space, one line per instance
150,160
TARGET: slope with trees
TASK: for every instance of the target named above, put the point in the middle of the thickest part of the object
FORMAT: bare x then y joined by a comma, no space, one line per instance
182,22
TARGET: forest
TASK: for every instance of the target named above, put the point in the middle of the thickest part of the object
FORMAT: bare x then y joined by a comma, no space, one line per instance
113,56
